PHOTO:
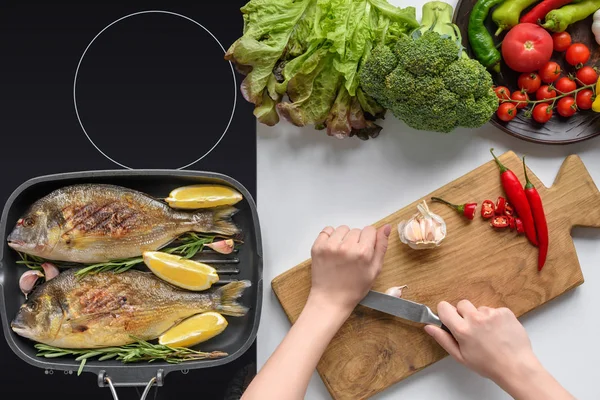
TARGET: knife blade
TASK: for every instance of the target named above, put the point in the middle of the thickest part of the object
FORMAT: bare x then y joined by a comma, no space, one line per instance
401,308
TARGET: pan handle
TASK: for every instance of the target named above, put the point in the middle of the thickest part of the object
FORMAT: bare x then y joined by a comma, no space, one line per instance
105,380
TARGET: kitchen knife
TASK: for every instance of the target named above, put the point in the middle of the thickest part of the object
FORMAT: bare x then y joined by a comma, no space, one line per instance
402,308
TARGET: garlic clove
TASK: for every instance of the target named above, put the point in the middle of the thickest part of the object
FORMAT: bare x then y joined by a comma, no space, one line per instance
50,271
222,246
396,291
28,280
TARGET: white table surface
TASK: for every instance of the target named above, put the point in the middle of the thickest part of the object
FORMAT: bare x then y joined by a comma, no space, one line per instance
307,180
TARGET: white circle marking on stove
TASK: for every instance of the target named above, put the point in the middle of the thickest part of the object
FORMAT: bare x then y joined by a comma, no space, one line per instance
156,12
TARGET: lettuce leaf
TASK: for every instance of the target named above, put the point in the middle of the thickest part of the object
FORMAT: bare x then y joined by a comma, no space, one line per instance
301,60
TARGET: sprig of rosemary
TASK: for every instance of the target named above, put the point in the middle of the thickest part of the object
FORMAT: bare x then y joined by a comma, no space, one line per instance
141,350
190,244
31,262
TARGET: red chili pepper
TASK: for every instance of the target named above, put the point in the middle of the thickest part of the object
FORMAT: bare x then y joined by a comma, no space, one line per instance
509,210
519,225
500,222
539,217
538,13
468,209
487,209
517,197
500,205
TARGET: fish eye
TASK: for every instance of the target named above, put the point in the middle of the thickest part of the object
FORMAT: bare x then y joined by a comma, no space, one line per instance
33,306
28,222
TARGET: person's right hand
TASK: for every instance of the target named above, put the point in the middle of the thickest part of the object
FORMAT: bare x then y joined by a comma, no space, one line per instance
489,341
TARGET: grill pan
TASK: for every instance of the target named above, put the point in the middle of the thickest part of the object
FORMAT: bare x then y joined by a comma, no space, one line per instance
235,340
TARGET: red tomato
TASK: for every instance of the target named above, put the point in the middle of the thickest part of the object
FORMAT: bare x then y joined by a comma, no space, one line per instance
502,92
550,72
577,53
565,85
529,81
561,41
544,93
527,47
520,96
507,112
587,75
542,113
566,106
584,99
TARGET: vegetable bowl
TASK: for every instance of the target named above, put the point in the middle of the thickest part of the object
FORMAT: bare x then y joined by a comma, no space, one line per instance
582,125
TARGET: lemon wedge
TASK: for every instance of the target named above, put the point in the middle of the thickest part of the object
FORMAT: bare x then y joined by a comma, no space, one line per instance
179,271
194,330
203,196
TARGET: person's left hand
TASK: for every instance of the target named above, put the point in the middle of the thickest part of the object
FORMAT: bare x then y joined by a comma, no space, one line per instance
345,263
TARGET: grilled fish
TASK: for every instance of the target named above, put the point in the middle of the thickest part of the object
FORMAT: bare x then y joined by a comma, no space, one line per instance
107,309
98,223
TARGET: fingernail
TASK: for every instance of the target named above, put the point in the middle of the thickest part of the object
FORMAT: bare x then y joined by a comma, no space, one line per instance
429,330
387,230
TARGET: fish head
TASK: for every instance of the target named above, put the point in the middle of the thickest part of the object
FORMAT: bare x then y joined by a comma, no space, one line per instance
34,234
40,318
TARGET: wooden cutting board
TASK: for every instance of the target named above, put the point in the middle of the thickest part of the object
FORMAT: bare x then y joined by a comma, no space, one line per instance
373,350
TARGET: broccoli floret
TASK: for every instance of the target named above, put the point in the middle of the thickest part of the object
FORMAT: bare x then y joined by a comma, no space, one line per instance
475,112
428,81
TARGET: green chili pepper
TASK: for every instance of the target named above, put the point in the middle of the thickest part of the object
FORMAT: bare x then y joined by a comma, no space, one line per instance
480,39
558,20
507,14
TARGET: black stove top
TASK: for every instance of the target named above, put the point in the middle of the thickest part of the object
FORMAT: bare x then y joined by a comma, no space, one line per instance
112,85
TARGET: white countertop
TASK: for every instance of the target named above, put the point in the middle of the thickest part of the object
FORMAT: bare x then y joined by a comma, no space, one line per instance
307,180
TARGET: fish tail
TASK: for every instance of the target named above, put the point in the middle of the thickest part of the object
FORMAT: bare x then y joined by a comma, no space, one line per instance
222,223
225,298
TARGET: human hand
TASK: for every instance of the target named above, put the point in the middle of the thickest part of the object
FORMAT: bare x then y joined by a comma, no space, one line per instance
489,341
345,263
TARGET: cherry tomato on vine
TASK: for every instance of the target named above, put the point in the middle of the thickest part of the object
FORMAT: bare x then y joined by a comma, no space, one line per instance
577,53
530,81
520,96
584,99
566,106
542,113
502,92
507,112
565,85
550,72
561,41
587,75
544,92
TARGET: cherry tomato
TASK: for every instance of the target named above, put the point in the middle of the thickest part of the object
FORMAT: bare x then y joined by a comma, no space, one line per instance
507,112
526,47
584,99
565,85
561,41
502,92
566,106
542,113
577,53
550,72
520,96
587,75
529,81
544,92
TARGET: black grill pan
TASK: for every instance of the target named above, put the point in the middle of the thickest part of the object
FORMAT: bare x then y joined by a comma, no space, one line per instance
235,340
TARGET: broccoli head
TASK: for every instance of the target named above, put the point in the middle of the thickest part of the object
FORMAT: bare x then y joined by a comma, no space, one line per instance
427,80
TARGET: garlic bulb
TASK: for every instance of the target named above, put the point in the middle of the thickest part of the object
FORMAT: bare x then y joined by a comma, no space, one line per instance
425,230
596,26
